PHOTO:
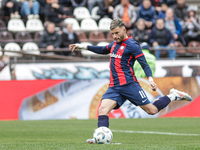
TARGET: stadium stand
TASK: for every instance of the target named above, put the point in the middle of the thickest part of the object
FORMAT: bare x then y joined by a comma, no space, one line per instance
16,25
23,37
37,36
2,25
12,47
82,36
104,24
5,37
34,25
29,46
81,13
74,22
88,25
96,36
94,13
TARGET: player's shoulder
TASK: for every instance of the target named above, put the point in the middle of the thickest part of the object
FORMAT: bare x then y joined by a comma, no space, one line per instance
131,42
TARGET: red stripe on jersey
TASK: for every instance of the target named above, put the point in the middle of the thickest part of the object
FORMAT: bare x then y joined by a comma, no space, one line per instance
134,79
139,55
108,48
111,77
118,68
130,37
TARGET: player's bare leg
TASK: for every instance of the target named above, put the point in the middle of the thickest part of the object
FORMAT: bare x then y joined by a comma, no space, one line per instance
106,106
165,100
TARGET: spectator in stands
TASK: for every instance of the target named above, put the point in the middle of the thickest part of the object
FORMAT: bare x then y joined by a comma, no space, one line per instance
161,14
150,58
136,3
43,4
162,37
106,8
55,13
50,39
173,25
10,8
139,33
78,3
191,27
180,10
30,9
147,12
92,3
157,4
170,3
126,12
68,37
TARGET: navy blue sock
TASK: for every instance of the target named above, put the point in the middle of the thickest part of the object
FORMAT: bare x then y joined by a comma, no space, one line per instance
162,102
103,121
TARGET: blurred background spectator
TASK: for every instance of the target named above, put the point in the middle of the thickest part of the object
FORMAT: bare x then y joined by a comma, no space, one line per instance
161,14
50,39
162,37
157,4
10,8
126,12
180,10
173,25
150,58
147,12
55,13
191,27
170,3
43,4
139,33
106,7
30,9
78,3
68,37
92,3
136,3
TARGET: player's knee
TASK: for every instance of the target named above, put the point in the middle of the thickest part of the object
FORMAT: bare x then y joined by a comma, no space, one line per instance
103,110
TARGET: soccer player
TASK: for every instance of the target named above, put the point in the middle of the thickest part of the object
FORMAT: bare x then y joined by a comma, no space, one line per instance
123,83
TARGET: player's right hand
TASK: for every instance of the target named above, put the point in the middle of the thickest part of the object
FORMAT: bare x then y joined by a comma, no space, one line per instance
73,47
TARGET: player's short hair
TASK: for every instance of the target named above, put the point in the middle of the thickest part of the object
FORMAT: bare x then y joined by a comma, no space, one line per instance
116,23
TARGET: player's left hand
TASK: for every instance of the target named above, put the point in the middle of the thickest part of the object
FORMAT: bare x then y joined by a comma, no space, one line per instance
153,84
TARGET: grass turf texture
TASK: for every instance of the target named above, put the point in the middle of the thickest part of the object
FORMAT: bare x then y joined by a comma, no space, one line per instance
72,134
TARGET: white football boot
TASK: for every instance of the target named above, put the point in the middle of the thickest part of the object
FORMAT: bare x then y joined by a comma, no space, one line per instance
178,95
91,141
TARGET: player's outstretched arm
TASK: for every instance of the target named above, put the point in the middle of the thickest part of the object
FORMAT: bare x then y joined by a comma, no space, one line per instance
152,83
95,49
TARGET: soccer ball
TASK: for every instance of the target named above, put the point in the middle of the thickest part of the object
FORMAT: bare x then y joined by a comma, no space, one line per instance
103,135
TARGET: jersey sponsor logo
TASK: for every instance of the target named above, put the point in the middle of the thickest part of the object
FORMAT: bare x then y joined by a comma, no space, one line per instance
115,55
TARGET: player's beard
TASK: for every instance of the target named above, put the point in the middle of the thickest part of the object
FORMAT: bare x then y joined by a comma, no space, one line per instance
120,39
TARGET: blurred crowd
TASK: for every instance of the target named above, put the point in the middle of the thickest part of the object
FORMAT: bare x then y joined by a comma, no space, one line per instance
158,22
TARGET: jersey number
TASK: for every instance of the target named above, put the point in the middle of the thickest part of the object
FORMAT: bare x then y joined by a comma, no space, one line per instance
142,94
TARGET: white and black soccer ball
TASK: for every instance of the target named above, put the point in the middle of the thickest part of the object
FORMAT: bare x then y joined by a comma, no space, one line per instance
103,135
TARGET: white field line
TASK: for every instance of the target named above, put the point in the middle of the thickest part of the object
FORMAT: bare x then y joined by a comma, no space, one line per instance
151,132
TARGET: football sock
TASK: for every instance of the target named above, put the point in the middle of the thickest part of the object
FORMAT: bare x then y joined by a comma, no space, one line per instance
162,102
103,120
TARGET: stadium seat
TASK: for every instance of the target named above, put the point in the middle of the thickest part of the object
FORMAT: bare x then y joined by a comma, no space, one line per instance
12,47
94,13
82,36
16,25
31,46
173,71
96,36
81,13
34,25
129,32
196,70
104,24
74,22
89,25
6,36
179,45
103,43
37,36
2,25
193,44
23,37
1,51
109,36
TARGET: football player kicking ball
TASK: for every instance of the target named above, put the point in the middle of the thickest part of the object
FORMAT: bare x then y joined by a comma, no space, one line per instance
123,84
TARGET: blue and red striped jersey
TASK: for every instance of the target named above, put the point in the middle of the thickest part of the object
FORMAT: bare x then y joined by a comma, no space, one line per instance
122,58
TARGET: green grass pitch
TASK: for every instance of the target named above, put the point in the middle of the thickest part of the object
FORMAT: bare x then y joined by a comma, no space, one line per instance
72,134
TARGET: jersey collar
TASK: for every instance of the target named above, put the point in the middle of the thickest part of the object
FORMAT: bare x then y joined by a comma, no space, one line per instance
127,39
